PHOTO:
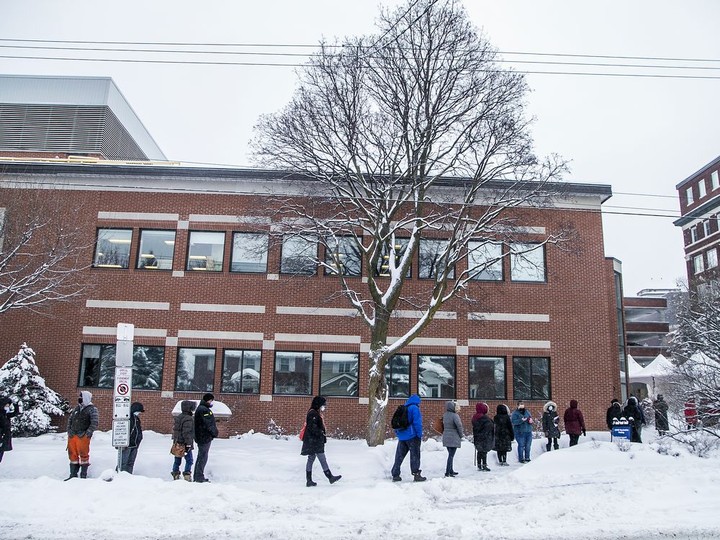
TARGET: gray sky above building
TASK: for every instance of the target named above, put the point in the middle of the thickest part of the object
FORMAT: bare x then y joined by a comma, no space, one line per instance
639,129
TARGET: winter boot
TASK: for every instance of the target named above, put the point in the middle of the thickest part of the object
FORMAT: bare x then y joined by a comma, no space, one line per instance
332,478
308,479
187,477
485,467
557,446
83,470
74,468
417,477
548,447
175,475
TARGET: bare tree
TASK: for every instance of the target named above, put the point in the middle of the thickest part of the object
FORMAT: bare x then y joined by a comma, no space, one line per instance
411,134
42,254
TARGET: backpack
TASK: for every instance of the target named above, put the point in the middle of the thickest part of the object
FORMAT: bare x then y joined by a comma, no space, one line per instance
400,418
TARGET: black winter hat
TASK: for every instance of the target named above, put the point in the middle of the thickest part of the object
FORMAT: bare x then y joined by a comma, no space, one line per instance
208,397
317,402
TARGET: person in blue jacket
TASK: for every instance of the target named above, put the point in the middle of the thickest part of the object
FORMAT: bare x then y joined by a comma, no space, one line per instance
409,440
522,422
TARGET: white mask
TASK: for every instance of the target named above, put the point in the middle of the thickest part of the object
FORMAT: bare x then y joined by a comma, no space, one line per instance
322,408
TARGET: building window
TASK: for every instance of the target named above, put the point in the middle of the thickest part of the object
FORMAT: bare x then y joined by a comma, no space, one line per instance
712,258
485,261
249,253
701,189
299,256
715,180
293,373
339,374
97,366
397,375
693,234
706,228
398,249
689,197
698,264
436,376
486,376
527,262
432,258
205,251
156,250
112,249
195,370
241,372
531,378
343,253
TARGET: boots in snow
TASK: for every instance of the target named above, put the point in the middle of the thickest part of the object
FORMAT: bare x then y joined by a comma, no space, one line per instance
417,477
308,479
548,447
332,478
187,477
83,470
175,475
74,468
557,446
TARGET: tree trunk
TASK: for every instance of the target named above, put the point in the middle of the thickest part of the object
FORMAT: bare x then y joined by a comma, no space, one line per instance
377,408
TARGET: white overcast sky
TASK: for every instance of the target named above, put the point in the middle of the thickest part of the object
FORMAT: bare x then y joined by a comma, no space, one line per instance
641,135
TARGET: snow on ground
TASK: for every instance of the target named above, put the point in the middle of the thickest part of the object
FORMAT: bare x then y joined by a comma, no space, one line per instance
592,491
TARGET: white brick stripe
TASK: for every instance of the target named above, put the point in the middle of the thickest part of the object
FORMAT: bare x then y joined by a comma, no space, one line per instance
222,308
147,216
112,331
205,334
317,338
302,310
509,343
127,304
512,317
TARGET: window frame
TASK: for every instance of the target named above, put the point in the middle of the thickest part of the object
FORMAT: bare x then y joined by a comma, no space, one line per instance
712,261
140,256
698,264
232,253
689,196
328,271
309,392
208,388
503,360
224,385
432,274
189,256
702,188
389,375
518,396
481,246
420,372
524,255
310,262
336,375
111,369
96,252
714,180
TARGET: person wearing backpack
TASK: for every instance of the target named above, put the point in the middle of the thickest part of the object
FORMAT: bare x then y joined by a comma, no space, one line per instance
409,439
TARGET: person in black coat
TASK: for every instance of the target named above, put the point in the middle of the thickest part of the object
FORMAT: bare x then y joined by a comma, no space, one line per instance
129,453
483,435
661,415
7,411
614,412
314,441
205,432
504,434
635,416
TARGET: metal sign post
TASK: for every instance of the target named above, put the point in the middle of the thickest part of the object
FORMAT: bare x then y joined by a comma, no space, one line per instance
122,393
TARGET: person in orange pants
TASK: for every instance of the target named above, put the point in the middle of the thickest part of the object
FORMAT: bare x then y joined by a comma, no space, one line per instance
82,424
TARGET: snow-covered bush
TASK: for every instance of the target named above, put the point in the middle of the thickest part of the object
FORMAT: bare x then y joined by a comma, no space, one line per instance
275,430
20,380
700,442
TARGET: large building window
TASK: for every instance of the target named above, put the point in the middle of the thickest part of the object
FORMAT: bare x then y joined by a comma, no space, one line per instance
205,251
715,180
342,254
698,264
485,261
112,249
241,372
432,258
712,258
339,374
97,366
249,253
195,369
701,189
156,249
397,375
531,378
293,373
527,262
486,376
396,250
299,255
436,376
689,195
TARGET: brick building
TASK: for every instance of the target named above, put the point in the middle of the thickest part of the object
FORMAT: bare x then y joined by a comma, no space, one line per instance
183,254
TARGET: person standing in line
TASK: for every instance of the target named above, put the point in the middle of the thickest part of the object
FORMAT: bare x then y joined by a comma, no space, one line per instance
7,411
635,416
314,441
129,453
574,422
452,436
522,422
483,435
82,423
550,421
661,417
409,440
504,433
614,412
205,432
184,433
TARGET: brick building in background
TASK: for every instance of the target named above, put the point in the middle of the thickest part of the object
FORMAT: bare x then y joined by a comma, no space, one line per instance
183,254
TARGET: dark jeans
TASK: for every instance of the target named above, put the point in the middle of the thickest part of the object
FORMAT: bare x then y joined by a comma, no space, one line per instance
524,441
127,458
574,439
188,463
482,458
202,457
502,457
403,447
311,459
451,456
551,441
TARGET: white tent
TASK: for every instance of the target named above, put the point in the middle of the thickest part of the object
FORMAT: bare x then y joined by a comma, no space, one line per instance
633,368
654,374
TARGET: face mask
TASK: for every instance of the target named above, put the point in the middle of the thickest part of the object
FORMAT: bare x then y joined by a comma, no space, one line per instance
7,408
80,400
209,405
137,413
521,407
322,408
